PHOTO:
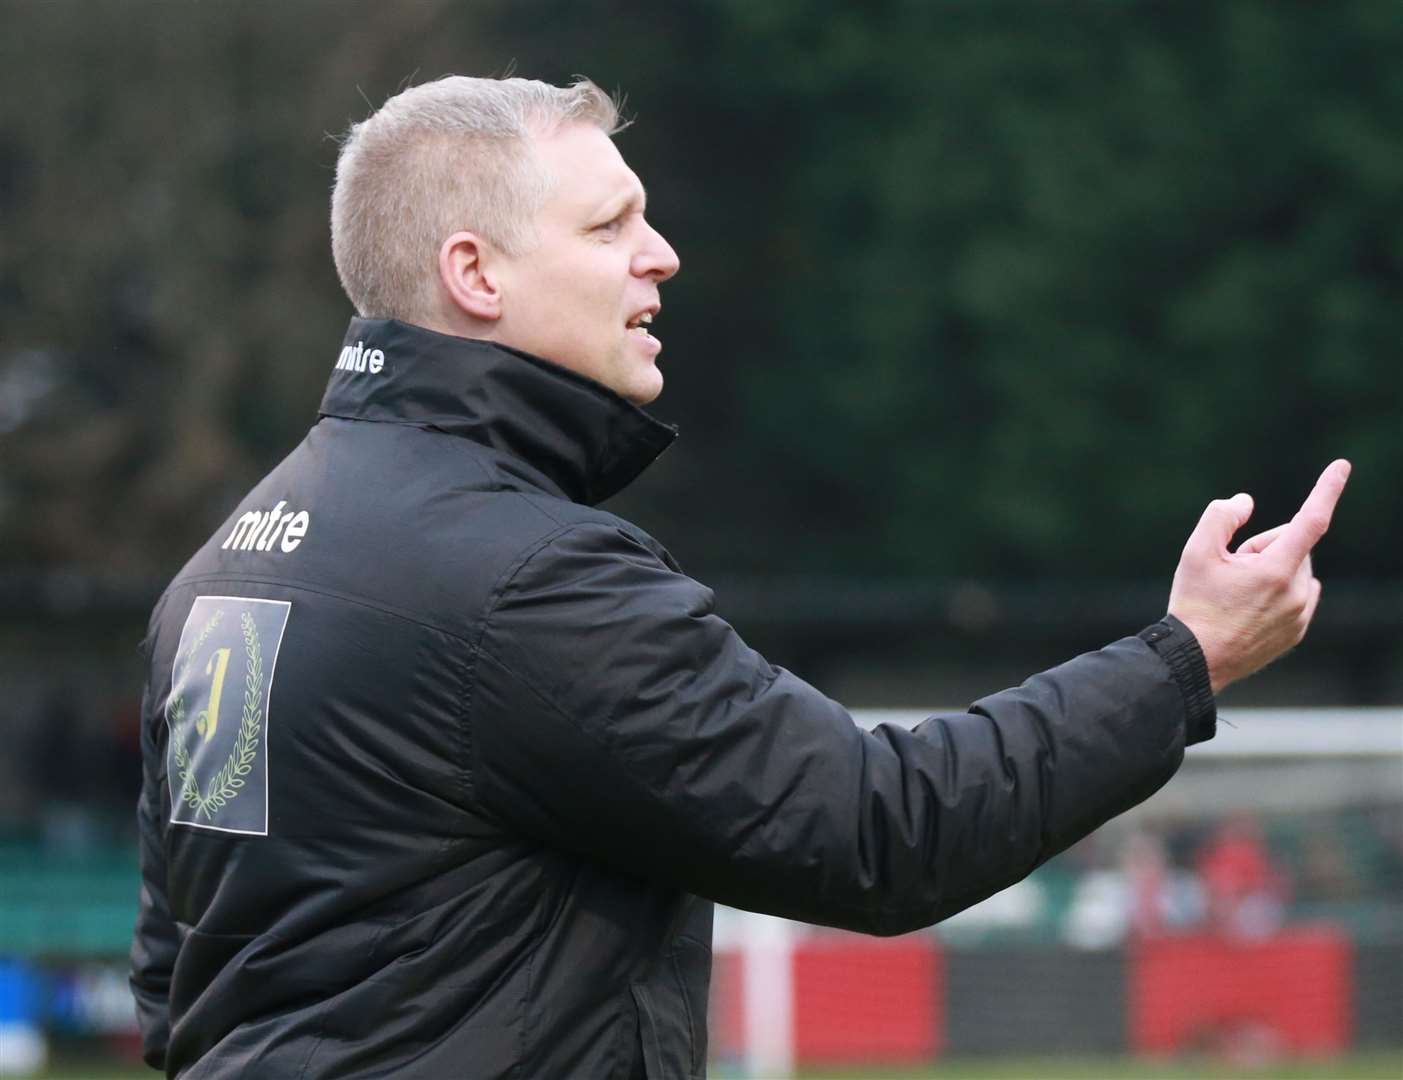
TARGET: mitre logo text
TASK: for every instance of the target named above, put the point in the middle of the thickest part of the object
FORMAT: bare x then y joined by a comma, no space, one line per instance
358,358
260,530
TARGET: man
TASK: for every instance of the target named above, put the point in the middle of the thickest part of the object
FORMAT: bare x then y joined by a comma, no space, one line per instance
444,767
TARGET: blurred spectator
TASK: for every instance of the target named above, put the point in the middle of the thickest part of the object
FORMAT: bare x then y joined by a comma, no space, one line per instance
1245,891
1163,899
1144,896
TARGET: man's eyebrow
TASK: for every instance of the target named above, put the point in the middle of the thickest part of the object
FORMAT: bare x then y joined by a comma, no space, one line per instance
635,198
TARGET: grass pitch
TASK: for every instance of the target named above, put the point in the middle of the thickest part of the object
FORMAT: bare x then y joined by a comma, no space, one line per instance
1374,1066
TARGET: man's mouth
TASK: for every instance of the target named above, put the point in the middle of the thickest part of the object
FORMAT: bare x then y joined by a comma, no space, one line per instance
640,323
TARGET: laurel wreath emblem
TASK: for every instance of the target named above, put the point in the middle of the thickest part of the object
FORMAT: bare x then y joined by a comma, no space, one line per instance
225,784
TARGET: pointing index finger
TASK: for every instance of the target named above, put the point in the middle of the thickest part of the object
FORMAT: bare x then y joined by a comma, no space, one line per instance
1313,518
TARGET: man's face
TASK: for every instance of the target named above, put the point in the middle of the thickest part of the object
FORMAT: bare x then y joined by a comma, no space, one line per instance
577,297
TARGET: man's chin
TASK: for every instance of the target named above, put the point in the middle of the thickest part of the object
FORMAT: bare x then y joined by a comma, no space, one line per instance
641,379
644,392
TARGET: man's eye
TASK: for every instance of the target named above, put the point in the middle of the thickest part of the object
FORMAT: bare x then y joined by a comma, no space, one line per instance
610,226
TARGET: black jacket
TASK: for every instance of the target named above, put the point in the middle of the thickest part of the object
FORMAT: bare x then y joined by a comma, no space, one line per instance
440,761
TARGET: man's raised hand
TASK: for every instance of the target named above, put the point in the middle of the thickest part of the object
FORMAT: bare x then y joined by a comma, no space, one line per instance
1248,606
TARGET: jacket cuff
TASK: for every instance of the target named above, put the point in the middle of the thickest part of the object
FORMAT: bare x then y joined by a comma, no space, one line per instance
1176,645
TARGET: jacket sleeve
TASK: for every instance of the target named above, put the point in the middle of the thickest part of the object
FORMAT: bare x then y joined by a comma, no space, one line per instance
155,943
615,715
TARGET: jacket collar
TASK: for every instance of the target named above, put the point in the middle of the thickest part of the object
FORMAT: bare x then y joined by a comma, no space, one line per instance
585,440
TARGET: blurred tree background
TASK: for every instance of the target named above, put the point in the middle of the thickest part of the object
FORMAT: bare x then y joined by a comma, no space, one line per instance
980,302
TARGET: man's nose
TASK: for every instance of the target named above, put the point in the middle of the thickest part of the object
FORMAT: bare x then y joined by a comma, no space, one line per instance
655,258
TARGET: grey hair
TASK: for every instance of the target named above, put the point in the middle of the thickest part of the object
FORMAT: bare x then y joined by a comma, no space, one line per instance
438,158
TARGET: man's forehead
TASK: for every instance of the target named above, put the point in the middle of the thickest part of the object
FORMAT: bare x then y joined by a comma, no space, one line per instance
588,168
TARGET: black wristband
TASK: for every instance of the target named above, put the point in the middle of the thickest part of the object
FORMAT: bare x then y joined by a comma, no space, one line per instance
1176,645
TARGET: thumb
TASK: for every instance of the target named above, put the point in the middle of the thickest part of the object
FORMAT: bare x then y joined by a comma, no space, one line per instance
1221,519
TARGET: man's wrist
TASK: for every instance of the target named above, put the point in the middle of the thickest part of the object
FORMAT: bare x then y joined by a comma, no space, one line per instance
1179,649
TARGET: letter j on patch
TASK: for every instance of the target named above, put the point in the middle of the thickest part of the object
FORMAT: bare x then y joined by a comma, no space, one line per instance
217,757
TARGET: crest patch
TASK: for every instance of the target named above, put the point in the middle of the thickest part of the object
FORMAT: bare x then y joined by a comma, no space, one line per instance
217,756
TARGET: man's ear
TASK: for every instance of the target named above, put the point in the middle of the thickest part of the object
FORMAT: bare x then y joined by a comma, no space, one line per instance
468,277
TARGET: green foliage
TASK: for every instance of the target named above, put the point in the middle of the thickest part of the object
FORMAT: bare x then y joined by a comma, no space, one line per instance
1058,274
